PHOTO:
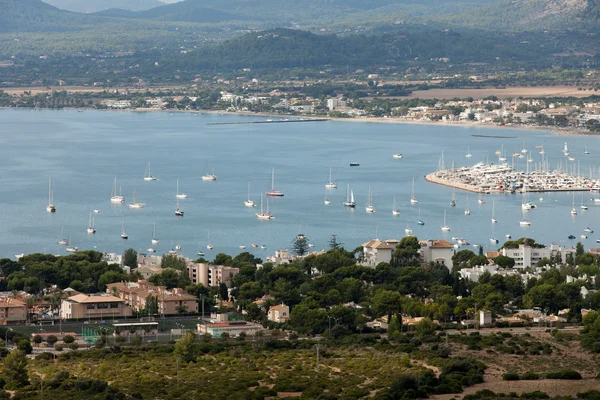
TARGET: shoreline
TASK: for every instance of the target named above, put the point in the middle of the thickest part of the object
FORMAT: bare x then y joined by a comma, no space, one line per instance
391,120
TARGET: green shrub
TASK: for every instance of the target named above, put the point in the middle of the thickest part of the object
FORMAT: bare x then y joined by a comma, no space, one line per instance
590,395
530,376
510,376
535,395
567,374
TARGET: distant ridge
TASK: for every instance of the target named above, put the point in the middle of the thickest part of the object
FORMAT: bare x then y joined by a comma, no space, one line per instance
183,11
92,6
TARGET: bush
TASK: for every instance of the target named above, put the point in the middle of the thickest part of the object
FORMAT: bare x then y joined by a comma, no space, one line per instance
510,376
74,346
535,395
51,339
25,346
590,395
68,339
530,376
567,374
58,347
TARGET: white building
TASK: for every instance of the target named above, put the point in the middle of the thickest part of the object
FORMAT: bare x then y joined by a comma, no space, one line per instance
279,313
437,251
333,104
485,318
527,256
375,252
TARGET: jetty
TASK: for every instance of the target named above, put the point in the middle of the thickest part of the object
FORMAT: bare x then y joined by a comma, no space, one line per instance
503,178
271,121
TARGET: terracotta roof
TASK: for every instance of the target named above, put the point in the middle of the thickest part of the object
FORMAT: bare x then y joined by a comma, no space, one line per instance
377,244
10,302
278,307
439,244
492,254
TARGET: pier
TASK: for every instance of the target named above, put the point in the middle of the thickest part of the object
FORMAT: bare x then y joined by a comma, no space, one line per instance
270,121
491,178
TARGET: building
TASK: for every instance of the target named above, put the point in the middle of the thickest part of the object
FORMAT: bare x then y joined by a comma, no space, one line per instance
485,318
437,251
279,313
527,256
281,257
220,323
211,275
334,104
168,302
376,252
12,311
83,306
147,271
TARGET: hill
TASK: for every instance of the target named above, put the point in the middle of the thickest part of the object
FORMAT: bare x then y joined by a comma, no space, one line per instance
519,15
90,6
184,11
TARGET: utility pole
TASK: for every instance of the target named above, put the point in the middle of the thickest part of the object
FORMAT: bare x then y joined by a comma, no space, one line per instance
317,356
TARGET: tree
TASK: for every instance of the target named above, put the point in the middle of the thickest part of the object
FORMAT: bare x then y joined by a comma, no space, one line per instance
223,259
130,258
184,348
37,339
504,262
68,339
223,292
406,253
173,261
333,243
51,340
151,305
25,346
14,370
579,250
425,327
300,245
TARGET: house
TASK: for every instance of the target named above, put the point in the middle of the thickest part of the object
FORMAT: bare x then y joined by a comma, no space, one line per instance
375,252
211,275
279,313
281,257
142,295
12,311
437,251
485,318
100,305
220,323
527,256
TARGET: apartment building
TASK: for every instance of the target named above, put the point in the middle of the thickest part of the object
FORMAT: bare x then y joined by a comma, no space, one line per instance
100,305
211,275
168,301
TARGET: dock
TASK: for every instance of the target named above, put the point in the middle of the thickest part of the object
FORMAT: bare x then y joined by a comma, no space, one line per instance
270,121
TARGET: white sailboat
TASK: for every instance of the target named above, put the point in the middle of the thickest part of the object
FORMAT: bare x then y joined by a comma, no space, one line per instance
349,198
273,192
180,195
395,211
124,235
249,203
178,211
50,207
469,155
583,206
397,155
71,249
467,210
154,238
573,209
326,201
413,199
114,197
148,176
209,246
91,230
264,215
369,207
453,201
62,240
135,204
330,184
445,228
524,150
209,176
494,220
565,150
586,150
524,221
407,230
480,200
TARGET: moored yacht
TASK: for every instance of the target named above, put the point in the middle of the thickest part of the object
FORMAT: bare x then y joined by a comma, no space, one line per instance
273,192
264,215
349,198
369,208
148,176
330,184
114,197
135,204
50,207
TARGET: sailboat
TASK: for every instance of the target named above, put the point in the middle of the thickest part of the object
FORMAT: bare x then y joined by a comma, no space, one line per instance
135,204
524,221
480,200
542,152
494,220
407,230
583,206
453,201
123,234
467,210
573,209
420,221
369,207
50,207
154,239
502,156
178,211
273,192
524,150
395,211
148,176
566,150
249,203
71,249
209,246
114,197
200,252
349,198
468,153
330,184
91,230
62,240
413,199
326,201
180,195
264,215
209,177
445,228
586,150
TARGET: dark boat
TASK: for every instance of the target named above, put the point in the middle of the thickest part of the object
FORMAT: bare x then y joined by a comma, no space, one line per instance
354,164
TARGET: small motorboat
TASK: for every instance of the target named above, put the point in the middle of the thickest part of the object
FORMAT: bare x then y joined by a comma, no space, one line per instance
494,241
354,164
588,230
397,155
571,237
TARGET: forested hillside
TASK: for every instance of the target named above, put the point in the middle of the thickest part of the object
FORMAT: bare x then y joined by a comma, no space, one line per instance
90,6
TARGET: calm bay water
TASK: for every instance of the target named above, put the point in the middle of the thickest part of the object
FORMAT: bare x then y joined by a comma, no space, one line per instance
84,151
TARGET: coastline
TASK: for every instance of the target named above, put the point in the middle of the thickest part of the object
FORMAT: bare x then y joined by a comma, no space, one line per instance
384,120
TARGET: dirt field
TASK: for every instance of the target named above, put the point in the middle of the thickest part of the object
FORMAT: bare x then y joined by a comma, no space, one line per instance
539,91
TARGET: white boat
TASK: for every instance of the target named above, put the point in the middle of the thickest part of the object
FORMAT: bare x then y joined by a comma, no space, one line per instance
114,197
209,176
50,207
588,230
330,184
566,149
571,159
178,211
264,215
445,228
573,209
369,207
154,239
469,155
180,195
494,220
586,150
397,155
151,250
178,247
524,150
349,198
407,230
413,199
583,236
494,241
262,247
420,221
467,210
508,236
273,192
480,200
72,249
135,204
249,203
326,201
524,221
542,152
96,211
148,176
395,211
62,240
209,246
91,230
123,234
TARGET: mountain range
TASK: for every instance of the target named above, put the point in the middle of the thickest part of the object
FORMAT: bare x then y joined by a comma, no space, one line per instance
91,6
